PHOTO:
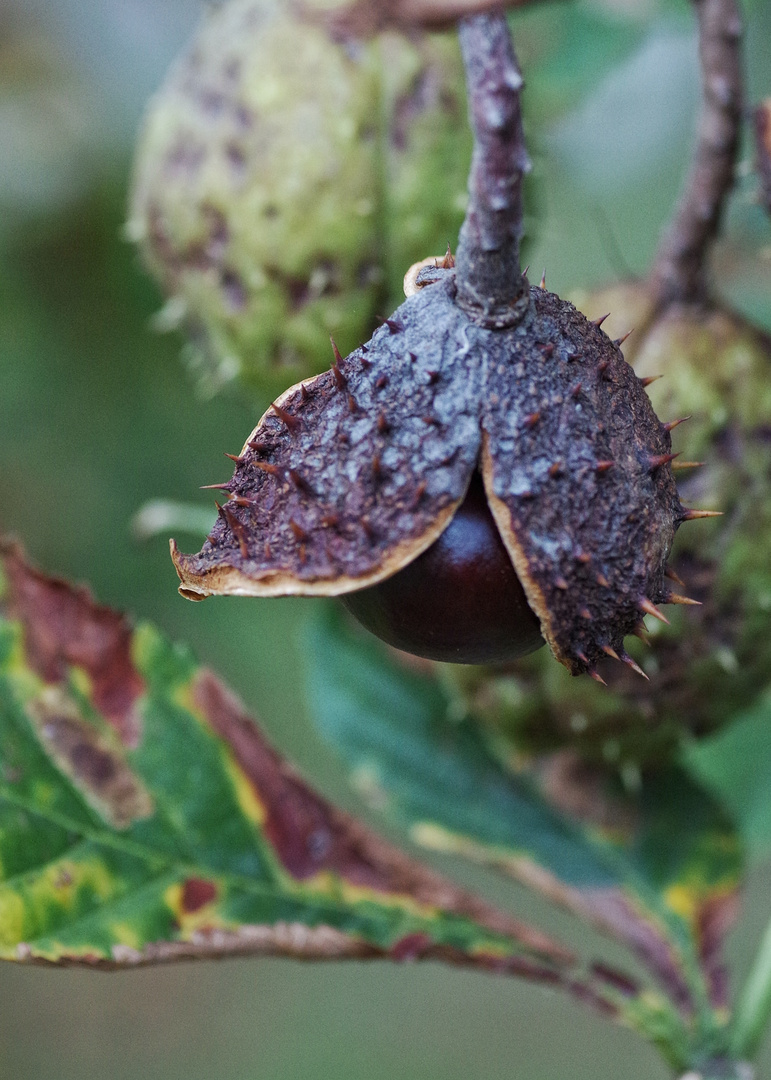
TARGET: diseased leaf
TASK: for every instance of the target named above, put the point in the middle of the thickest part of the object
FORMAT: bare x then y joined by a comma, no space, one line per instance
143,818
659,871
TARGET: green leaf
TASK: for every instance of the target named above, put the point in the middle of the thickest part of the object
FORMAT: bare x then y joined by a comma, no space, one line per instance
144,818
656,871
735,764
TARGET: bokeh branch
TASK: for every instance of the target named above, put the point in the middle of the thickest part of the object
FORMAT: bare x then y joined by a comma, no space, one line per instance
679,269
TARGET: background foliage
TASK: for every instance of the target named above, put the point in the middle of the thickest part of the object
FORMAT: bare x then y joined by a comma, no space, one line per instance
96,418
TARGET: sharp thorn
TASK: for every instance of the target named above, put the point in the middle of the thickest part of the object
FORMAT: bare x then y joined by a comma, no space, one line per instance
298,531
655,461
619,341
603,366
675,423
524,272
352,406
237,458
543,281
556,469
603,581
286,418
650,379
532,419
394,326
381,381
600,321
268,467
220,512
693,515
611,652
448,262
582,657
238,530
676,598
583,557
382,423
603,466
560,583
413,357
670,573
335,350
239,500
433,377
641,633
585,613
596,676
300,482
682,466
216,487
627,659
377,468
304,395
340,380
651,609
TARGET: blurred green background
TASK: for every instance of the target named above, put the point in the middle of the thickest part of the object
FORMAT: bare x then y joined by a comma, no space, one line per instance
97,416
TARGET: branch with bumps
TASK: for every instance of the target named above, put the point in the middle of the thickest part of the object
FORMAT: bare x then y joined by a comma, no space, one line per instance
679,272
491,287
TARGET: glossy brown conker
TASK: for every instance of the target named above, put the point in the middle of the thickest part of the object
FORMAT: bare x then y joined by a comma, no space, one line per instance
460,601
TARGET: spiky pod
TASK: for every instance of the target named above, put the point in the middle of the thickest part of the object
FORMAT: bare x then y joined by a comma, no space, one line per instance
280,182
714,660
349,477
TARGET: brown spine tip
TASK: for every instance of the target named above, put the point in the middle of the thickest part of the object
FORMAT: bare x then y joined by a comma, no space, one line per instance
650,609
382,423
611,652
236,457
675,423
682,466
394,326
655,461
600,321
673,576
602,368
627,659
352,406
377,467
585,613
433,377
583,557
381,381
603,581
335,350
603,466
238,530
650,379
676,598
556,469
619,341
300,482
291,423
268,467
304,394
694,515
216,487
298,531
543,281
596,676
532,419
448,262
561,583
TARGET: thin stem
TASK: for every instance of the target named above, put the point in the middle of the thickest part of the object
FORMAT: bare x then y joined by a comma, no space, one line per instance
491,287
679,271
754,1009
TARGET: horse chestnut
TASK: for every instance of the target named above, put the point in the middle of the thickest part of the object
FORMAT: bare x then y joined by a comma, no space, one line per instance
460,601
351,476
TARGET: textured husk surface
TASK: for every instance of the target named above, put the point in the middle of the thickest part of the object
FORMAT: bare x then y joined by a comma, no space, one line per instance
360,469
